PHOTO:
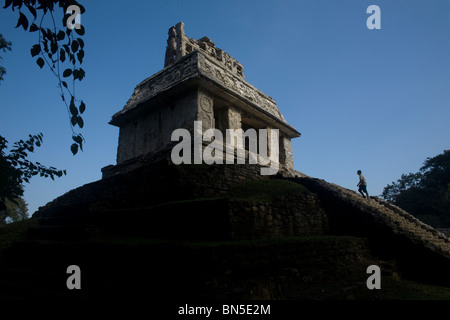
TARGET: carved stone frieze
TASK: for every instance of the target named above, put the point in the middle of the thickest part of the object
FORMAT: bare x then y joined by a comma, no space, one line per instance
240,87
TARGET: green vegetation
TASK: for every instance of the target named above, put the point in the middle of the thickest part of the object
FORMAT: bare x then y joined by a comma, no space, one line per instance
4,45
15,211
349,286
409,290
59,47
15,232
353,287
266,190
15,170
425,194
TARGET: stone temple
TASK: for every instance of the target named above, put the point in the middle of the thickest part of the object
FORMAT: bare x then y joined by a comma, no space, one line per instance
212,231
199,82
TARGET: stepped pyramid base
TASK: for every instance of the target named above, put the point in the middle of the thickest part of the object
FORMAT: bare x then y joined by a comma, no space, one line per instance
218,232
134,268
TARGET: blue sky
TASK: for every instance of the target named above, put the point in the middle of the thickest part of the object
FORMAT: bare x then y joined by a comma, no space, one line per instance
375,100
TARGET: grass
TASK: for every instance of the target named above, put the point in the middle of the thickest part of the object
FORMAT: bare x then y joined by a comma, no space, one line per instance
266,190
351,287
392,289
14,232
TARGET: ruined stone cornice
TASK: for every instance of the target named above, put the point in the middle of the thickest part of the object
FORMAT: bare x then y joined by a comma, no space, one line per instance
198,66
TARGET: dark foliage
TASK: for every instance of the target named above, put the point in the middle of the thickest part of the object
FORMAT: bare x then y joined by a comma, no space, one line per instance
425,194
4,45
56,47
16,169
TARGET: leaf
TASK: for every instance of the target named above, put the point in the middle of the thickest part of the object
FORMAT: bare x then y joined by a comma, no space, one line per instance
81,30
35,50
73,121
53,47
72,108
64,21
82,107
40,62
23,21
76,74
81,42
74,46
67,73
34,28
32,10
74,148
66,47
80,121
45,45
7,3
49,34
44,33
60,36
17,3
80,56
78,139
82,9
62,55
65,85
81,74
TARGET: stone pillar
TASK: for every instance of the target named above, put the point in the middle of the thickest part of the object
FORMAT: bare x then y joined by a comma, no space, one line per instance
273,153
228,118
205,112
286,155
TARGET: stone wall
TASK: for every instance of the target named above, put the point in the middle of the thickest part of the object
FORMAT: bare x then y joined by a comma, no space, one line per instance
163,200
190,201
152,184
151,132
293,215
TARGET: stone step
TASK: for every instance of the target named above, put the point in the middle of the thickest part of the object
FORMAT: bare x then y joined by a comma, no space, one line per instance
382,212
421,229
414,227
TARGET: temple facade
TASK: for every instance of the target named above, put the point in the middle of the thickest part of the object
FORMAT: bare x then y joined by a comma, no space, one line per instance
199,83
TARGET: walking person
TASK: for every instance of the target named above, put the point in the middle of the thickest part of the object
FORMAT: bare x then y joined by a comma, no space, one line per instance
362,184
